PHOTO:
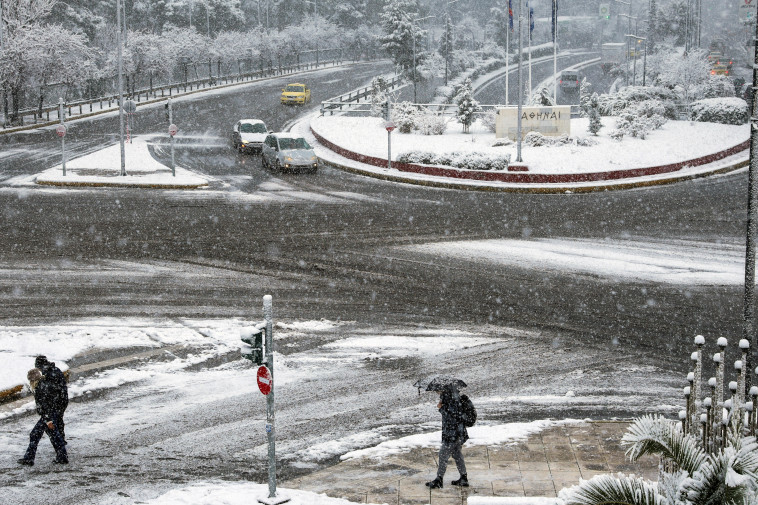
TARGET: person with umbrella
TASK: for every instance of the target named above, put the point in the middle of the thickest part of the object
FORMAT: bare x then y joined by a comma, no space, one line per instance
454,433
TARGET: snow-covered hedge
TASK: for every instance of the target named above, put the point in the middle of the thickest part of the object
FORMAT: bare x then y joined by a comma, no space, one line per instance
731,110
466,160
409,117
615,103
430,123
536,139
405,115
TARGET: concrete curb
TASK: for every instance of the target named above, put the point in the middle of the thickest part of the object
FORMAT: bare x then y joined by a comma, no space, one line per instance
114,185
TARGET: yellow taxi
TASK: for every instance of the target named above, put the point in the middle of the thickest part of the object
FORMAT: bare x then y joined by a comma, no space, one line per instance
296,93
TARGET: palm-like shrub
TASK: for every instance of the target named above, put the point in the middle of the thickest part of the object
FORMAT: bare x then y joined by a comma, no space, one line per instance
727,476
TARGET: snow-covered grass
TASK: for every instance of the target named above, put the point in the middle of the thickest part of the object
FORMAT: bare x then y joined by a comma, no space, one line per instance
676,141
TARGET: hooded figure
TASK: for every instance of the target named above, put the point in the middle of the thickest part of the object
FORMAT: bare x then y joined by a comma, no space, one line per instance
454,435
51,399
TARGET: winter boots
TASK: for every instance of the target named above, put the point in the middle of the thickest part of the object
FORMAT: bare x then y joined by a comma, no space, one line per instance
27,462
462,481
435,484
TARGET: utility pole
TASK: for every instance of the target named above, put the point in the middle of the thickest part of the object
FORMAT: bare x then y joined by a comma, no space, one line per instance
748,305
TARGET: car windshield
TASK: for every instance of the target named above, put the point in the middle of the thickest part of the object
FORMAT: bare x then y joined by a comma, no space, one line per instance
253,128
295,89
569,77
290,143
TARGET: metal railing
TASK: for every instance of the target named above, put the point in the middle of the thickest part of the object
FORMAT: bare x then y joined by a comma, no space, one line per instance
351,100
35,115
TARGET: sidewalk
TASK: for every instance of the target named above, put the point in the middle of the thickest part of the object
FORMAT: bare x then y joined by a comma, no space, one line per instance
541,466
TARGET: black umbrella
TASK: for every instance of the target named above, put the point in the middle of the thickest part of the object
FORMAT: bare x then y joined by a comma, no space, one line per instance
438,383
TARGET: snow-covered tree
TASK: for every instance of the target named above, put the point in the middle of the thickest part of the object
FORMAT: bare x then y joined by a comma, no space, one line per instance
584,97
379,95
467,106
542,99
400,31
447,46
592,111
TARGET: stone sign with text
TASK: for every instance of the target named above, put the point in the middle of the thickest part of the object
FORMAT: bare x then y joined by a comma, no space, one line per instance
550,121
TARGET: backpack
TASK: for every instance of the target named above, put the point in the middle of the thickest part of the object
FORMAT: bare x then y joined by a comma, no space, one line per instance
468,412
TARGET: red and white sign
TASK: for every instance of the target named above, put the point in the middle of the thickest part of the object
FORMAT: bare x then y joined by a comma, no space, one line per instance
389,126
172,129
60,130
265,383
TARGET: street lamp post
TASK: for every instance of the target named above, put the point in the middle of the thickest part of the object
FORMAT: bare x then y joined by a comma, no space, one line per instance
520,89
629,16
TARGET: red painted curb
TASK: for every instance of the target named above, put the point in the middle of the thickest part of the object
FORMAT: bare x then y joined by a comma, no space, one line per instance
522,177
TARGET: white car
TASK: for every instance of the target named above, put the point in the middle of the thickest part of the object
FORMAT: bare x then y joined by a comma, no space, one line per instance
285,151
249,134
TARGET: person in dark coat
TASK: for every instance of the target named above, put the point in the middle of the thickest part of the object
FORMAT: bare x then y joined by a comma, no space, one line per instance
48,401
59,386
454,435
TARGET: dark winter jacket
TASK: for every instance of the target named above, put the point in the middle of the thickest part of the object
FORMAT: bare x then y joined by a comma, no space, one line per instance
453,429
51,394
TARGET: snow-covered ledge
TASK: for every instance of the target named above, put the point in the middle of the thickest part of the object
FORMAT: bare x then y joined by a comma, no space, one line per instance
513,500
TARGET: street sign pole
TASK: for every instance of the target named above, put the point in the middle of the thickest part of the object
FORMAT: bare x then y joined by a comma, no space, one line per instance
61,116
270,424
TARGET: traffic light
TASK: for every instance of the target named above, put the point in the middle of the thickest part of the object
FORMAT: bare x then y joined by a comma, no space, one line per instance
252,346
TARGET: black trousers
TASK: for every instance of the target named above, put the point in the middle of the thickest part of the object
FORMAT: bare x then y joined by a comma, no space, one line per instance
56,438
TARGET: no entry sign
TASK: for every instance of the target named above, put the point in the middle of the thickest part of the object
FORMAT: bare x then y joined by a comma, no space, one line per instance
60,130
264,380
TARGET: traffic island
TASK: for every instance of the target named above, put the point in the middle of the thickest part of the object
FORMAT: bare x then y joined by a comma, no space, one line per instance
103,169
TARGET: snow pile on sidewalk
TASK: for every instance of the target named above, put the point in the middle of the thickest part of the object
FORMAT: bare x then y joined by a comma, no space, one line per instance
676,141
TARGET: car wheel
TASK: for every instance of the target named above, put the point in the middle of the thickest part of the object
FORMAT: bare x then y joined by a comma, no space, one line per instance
264,163
278,167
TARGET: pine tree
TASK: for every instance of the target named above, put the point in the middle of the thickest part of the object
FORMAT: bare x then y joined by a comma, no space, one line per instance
593,113
584,97
447,45
398,27
652,29
467,106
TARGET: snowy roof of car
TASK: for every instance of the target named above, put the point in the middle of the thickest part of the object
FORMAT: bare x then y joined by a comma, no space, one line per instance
251,121
286,135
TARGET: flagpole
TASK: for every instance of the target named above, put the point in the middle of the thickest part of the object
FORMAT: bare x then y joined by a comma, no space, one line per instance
507,59
555,51
531,20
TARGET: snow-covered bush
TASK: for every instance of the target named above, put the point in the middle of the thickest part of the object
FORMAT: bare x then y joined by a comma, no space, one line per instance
536,139
731,110
405,116
640,119
465,160
430,123
467,106
717,86
488,119
615,103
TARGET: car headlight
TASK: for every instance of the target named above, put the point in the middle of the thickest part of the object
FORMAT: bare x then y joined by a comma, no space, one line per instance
313,158
287,158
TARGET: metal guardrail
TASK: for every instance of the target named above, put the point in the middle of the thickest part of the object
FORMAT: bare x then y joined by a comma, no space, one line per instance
443,109
80,107
351,100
